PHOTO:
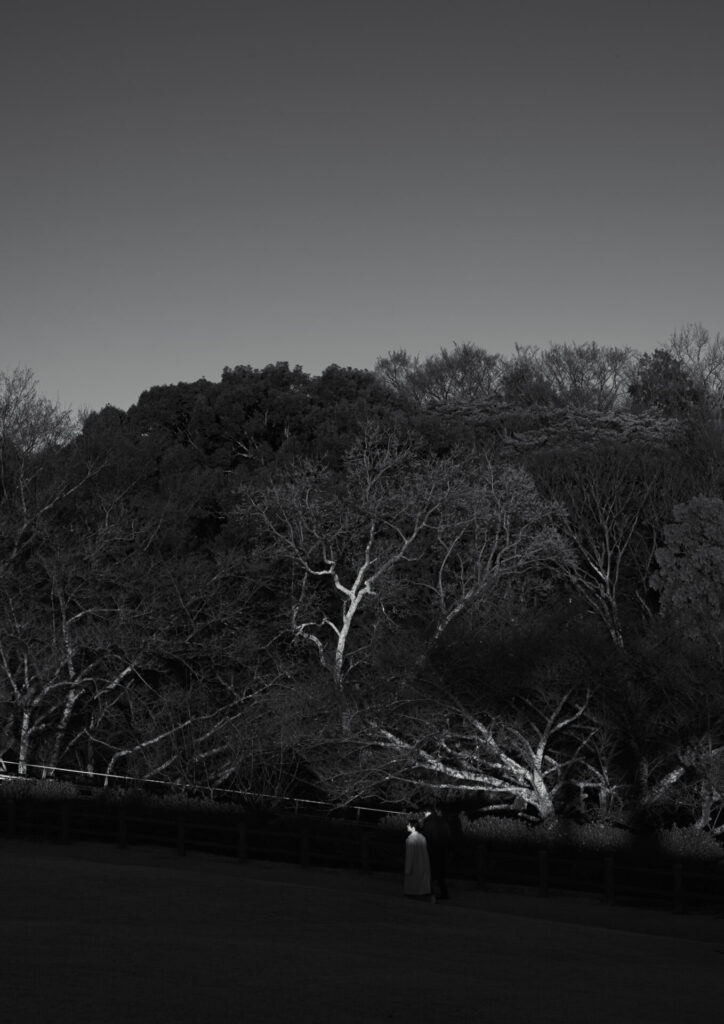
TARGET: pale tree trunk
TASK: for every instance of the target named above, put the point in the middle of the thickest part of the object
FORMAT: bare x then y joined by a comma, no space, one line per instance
24,745
76,691
73,694
471,757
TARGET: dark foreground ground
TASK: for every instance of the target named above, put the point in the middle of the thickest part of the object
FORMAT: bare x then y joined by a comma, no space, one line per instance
93,934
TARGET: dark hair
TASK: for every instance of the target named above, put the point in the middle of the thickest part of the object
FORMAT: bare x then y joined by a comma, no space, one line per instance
414,823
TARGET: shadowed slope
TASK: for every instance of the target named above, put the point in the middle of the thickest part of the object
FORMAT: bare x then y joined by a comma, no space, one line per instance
90,933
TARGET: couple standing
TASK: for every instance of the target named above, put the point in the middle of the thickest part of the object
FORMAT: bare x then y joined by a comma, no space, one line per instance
426,852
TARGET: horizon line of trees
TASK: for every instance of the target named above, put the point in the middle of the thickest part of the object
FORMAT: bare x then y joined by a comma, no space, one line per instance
499,581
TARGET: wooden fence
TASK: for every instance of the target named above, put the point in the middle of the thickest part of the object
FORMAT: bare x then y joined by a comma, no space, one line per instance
323,842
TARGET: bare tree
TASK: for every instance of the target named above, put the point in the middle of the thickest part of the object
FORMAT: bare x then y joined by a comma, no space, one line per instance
703,356
610,493
589,376
203,668
399,529
463,374
34,479
344,537
432,741
577,377
496,528
56,648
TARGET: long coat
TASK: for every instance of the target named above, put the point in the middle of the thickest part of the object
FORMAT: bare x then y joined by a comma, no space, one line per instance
417,866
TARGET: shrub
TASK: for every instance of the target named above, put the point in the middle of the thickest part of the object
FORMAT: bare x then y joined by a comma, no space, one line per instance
688,843
494,829
594,837
118,795
21,788
179,802
394,822
556,832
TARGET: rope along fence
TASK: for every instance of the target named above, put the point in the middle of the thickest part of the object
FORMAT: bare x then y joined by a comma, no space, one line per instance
85,781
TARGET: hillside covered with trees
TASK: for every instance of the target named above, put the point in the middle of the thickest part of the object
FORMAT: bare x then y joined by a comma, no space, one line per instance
492,579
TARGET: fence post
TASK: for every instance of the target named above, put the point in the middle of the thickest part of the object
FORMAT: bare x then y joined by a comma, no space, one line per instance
481,861
181,836
122,827
364,840
241,841
609,879
679,891
542,872
304,848
65,822
11,819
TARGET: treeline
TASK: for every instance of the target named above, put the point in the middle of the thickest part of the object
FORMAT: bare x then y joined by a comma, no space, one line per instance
497,580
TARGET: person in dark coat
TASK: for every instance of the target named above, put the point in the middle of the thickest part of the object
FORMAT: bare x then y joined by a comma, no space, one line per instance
437,833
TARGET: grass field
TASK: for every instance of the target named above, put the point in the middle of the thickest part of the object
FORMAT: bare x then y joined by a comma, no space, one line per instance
94,934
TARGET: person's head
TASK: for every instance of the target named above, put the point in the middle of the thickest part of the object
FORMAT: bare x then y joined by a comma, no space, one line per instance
413,825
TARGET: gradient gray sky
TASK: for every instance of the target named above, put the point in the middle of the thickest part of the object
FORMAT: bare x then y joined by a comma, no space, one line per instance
189,184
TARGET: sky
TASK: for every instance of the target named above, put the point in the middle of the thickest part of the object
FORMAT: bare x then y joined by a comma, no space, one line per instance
192,184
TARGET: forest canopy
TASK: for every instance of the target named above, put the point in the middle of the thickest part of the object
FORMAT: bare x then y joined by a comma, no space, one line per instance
494,580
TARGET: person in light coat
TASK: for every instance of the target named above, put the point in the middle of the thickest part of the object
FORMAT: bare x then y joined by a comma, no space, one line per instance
417,863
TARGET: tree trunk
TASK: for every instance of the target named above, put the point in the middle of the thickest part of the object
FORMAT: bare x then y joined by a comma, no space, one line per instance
24,746
70,700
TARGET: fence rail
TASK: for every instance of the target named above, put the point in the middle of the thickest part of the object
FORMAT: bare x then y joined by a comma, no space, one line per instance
310,841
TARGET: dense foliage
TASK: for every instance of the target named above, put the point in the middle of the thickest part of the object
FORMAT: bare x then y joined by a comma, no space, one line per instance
496,580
